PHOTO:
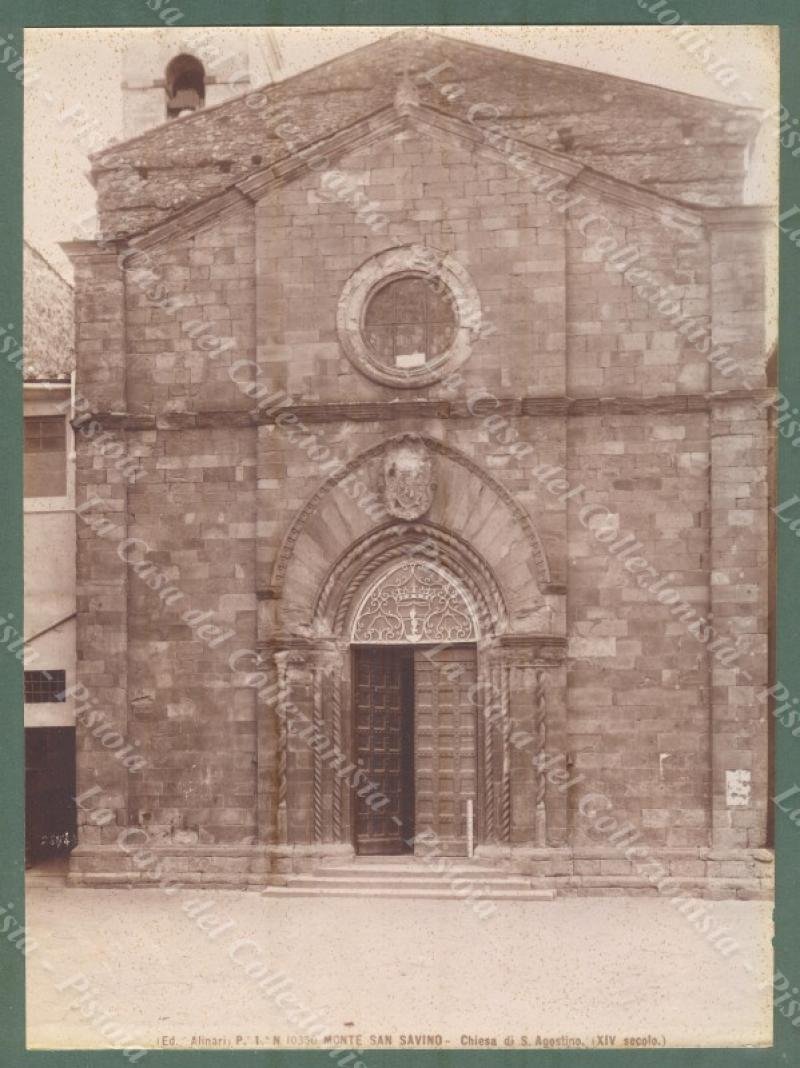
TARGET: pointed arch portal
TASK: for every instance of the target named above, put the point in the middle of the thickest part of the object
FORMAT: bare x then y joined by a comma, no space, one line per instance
409,653
408,604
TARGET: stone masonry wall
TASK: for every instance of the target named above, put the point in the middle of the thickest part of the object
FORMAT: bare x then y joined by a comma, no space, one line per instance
619,343
586,373
190,315
638,684
193,515
194,506
430,192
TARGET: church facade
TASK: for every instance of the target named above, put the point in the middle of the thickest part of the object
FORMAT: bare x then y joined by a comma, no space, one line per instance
444,374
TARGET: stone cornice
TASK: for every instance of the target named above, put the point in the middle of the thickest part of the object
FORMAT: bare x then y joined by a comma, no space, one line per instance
525,641
396,411
363,411
298,645
215,209
95,249
428,118
528,649
696,402
633,196
372,128
740,217
539,647
388,120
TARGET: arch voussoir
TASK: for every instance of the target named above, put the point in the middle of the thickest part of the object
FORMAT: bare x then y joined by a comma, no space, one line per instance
363,561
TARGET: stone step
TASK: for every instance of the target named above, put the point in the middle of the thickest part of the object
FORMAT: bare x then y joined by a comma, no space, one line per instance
419,881
45,880
405,860
416,871
442,893
51,872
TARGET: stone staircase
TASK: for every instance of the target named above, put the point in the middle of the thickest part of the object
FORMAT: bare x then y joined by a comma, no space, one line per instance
411,877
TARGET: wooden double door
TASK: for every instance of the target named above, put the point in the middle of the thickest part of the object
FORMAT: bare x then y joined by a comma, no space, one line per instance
415,736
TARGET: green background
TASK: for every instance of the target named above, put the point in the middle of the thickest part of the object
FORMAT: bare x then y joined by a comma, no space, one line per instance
14,16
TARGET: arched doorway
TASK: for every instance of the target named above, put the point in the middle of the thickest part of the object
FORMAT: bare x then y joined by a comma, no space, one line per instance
496,656
414,635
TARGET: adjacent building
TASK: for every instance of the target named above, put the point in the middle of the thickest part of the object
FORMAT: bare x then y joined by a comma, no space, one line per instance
49,531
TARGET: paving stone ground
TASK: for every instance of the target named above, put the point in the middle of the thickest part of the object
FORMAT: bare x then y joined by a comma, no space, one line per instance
570,968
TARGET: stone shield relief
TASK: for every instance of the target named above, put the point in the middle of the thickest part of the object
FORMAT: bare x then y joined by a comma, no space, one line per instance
408,480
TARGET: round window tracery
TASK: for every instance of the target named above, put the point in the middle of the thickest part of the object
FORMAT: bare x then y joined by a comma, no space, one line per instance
408,316
409,321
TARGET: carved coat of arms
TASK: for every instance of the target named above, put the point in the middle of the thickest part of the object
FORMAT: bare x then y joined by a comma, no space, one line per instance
408,478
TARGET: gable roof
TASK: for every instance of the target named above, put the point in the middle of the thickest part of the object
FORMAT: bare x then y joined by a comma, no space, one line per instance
683,147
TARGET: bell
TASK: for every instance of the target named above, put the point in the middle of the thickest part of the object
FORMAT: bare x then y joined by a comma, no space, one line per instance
185,100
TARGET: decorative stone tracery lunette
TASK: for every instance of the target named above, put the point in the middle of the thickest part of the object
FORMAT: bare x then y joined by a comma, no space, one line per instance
414,602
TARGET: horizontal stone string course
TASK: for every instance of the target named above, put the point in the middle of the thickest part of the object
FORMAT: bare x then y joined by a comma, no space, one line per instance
403,410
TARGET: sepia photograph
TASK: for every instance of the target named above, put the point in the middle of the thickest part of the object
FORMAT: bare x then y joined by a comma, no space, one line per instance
400,506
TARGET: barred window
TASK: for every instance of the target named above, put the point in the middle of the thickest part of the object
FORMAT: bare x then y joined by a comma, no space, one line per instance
409,321
42,686
45,456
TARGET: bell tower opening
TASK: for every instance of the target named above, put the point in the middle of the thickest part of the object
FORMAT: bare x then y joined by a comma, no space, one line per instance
185,85
170,72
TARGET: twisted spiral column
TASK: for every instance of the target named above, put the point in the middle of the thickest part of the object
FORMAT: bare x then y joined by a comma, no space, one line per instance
336,731
317,809
283,746
488,756
505,793
540,733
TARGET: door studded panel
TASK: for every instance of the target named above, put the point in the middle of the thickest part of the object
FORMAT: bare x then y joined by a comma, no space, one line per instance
445,744
383,698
